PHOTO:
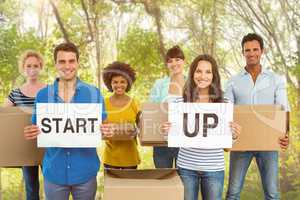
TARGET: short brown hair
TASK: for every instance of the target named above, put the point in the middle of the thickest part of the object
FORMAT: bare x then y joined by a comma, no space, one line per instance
251,37
118,69
174,52
66,46
29,53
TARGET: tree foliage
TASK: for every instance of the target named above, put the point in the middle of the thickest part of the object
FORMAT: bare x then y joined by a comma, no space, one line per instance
139,48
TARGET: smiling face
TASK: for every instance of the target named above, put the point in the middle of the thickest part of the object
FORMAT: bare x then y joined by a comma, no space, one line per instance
32,67
175,66
67,65
203,75
252,53
119,85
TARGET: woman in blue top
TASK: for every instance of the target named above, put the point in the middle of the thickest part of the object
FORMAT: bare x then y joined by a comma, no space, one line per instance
166,90
202,168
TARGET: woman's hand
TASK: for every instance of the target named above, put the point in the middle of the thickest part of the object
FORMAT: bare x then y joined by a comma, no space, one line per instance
165,127
235,129
31,132
107,130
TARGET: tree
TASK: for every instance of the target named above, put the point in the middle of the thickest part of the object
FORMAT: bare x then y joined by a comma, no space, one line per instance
140,48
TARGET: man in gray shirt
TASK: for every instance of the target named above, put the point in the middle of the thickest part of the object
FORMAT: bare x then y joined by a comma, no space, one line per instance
256,85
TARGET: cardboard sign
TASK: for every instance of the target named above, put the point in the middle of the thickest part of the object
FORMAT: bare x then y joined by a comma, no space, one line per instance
69,124
262,125
158,184
200,125
153,115
14,149
123,131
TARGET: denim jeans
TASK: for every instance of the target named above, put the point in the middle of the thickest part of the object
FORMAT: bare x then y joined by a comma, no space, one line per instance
31,179
210,183
84,191
267,162
165,157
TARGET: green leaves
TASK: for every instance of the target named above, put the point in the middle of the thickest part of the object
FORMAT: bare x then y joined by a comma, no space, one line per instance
139,48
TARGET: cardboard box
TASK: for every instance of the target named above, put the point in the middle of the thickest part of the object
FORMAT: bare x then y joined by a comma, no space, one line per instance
123,131
153,115
262,125
14,149
152,184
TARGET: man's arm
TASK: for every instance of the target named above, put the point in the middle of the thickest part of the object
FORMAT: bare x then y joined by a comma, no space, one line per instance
229,92
281,98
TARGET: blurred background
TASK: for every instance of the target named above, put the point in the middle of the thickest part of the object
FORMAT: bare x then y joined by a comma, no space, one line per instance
139,32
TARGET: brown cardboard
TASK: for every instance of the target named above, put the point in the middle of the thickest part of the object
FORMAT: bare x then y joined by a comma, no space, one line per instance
123,131
262,125
149,184
14,149
153,115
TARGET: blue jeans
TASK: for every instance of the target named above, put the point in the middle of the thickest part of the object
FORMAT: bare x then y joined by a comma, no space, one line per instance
84,191
165,157
210,183
31,178
267,162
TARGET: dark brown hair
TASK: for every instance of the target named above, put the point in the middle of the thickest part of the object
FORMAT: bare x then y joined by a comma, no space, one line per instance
66,46
250,37
174,52
118,69
190,93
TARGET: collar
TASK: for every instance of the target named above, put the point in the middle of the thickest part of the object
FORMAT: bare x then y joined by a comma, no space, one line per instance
168,78
263,71
78,85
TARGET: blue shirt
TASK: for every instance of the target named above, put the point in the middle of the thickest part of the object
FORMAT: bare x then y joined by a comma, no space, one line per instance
269,88
160,90
70,166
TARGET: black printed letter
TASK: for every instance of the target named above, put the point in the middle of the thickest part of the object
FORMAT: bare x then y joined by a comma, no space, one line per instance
185,125
213,125
46,125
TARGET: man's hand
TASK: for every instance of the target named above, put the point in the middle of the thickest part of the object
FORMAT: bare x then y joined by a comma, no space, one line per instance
284,142
31,132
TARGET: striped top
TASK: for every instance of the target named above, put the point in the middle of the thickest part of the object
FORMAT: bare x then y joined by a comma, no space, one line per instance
19,99
200,159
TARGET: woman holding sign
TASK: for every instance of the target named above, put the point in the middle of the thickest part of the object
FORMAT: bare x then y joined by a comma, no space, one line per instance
202,168
166,90
120,149
30,65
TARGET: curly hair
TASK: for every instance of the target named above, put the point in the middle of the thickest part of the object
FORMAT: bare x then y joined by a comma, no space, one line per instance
118,69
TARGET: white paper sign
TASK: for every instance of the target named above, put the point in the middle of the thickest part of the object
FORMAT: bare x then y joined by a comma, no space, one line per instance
200,125
69,124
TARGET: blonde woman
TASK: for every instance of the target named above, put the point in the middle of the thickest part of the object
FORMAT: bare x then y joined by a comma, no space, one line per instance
30,66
